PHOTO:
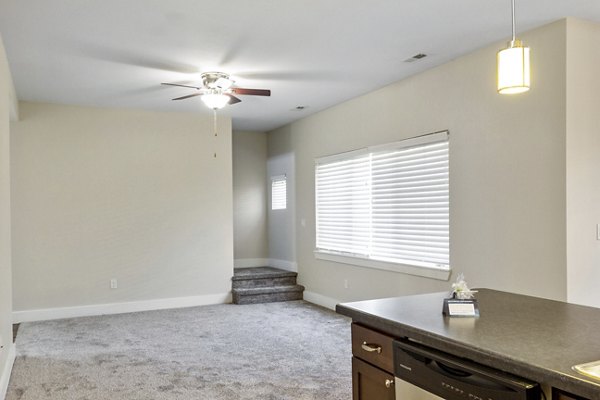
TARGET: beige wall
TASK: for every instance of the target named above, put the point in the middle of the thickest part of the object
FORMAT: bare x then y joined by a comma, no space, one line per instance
5,223
131,195
507,171
282,227
250,198
583,161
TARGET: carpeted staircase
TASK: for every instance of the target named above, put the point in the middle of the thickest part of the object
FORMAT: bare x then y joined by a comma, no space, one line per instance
264,285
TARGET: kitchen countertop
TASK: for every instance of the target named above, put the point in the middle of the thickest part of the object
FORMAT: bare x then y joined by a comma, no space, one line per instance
535,338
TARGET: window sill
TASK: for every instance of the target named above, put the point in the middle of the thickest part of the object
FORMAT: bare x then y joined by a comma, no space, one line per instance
410,269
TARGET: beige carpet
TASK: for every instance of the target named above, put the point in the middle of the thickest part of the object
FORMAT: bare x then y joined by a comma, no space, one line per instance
290,350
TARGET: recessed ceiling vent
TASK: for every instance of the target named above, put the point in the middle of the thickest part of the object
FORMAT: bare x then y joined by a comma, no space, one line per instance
416,57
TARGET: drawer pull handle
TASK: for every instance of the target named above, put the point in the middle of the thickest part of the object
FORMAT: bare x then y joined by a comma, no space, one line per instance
370,347
389,383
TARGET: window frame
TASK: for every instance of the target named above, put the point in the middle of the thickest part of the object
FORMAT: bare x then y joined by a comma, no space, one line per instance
411,267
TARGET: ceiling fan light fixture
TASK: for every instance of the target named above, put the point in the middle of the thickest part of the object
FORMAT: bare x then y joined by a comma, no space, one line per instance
513,67
215,101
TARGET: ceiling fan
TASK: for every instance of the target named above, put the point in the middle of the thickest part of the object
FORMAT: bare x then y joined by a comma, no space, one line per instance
217,90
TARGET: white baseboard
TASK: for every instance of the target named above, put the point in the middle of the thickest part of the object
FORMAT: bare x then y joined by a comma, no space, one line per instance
250,262
7,369
283,264
320,300
119,308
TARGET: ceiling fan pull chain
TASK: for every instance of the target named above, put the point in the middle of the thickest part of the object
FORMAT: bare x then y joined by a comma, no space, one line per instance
215,121
215,126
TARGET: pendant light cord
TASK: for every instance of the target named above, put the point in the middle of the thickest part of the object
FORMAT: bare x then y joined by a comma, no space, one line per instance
514,35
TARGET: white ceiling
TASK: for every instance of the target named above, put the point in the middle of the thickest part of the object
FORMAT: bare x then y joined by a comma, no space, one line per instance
313,53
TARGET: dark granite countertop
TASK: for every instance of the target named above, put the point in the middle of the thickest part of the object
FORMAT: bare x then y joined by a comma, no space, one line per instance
531,337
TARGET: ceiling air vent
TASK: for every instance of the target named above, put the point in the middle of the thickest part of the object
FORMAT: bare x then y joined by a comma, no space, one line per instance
416,57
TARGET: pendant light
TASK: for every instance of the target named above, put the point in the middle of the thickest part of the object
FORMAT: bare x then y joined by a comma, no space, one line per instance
513,64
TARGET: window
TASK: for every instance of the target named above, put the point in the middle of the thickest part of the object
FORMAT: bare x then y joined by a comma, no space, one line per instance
278,193
386,206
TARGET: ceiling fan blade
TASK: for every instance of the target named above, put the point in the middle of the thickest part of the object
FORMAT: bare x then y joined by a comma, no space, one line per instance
176,84
233,99
251,92
187,97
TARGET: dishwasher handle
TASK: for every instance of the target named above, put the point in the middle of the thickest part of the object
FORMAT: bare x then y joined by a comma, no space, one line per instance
451,371
438,366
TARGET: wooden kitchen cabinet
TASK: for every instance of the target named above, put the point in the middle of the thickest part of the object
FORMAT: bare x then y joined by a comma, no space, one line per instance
371,383
372,365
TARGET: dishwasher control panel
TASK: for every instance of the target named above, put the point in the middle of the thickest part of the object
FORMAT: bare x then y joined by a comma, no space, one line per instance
454,378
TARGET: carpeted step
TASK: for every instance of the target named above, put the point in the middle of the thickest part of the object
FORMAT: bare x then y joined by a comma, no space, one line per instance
262,277
264,285
267,294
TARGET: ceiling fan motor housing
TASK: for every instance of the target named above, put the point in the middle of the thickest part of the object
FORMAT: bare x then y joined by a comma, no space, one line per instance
216,80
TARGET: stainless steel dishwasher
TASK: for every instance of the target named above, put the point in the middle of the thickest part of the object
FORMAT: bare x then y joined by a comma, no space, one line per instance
424,373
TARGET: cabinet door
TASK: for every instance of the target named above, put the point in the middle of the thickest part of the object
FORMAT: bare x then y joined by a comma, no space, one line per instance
371,383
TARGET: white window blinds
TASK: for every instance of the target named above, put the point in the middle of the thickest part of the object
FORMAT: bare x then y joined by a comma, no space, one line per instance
344,205
387,203
278,193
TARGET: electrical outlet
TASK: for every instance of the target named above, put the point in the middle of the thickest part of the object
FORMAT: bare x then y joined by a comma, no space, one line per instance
113,283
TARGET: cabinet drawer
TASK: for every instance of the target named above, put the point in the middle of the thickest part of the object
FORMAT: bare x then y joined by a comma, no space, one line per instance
373,347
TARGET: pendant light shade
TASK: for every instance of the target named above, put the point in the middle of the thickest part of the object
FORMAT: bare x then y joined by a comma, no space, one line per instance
513,69
215,100
514,74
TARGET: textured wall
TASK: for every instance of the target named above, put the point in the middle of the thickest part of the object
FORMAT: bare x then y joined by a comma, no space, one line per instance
250,195
132,195
507,171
